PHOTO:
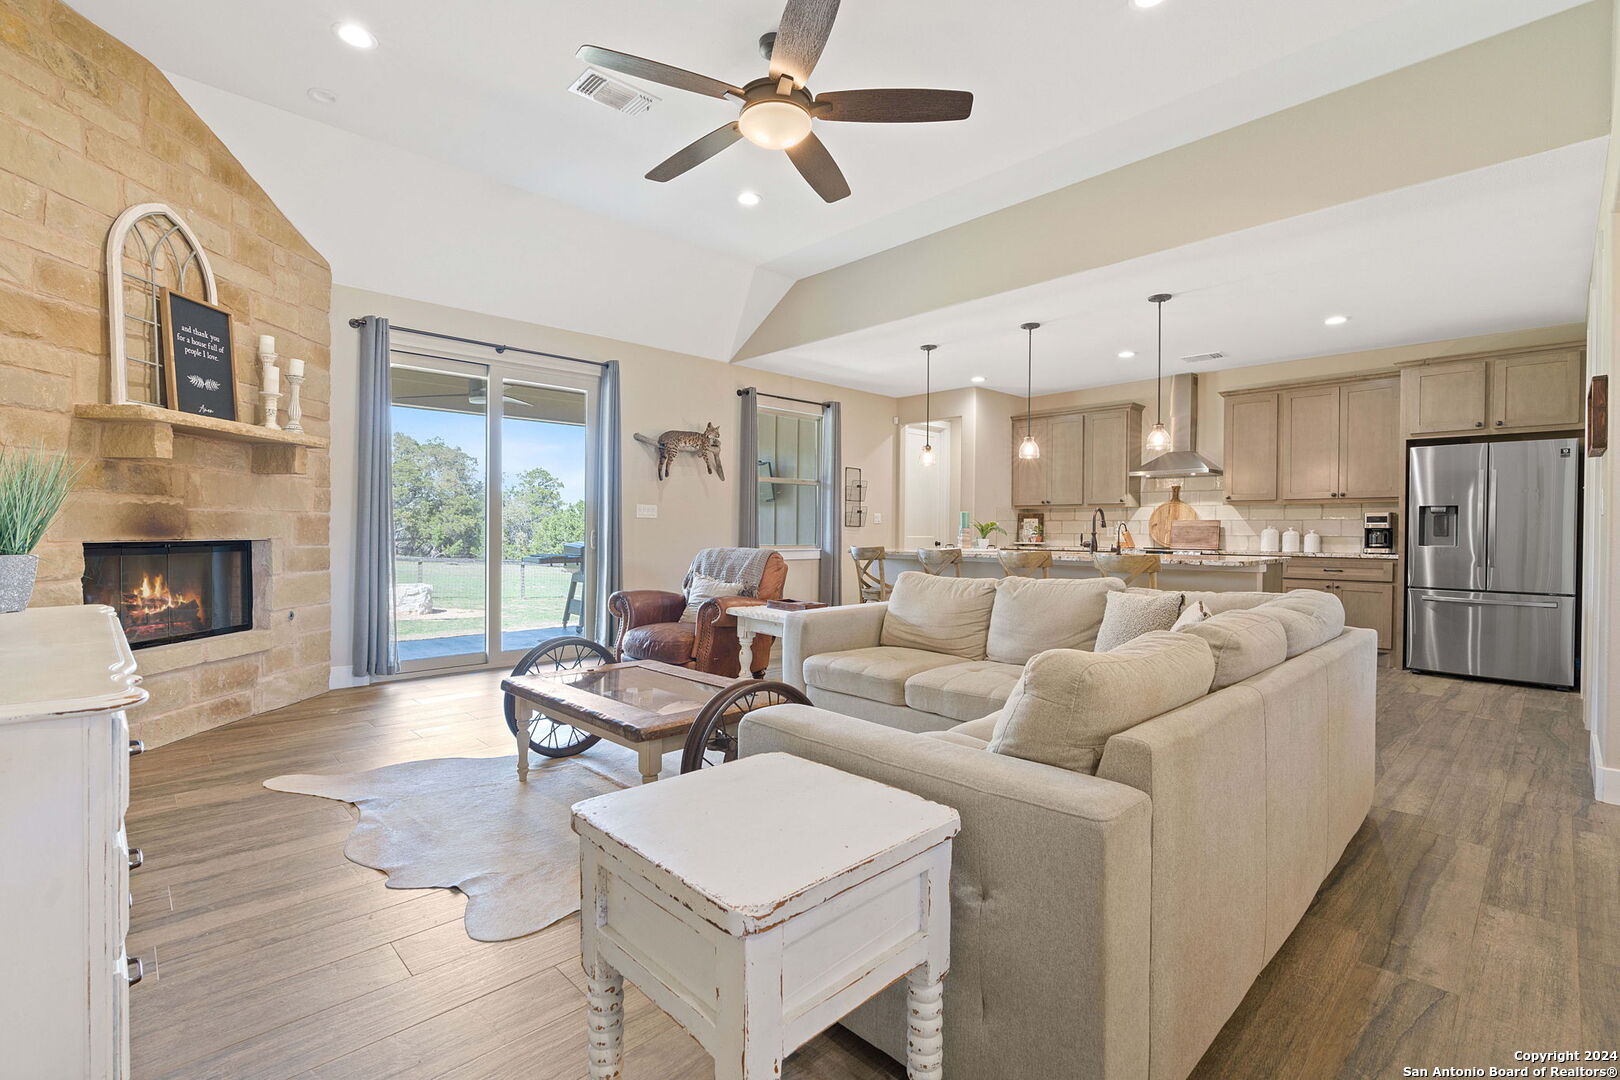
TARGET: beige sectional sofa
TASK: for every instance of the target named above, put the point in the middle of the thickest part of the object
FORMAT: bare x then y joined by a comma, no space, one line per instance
1106,924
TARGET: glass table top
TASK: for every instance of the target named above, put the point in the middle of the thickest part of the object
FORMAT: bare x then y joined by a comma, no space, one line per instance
654,691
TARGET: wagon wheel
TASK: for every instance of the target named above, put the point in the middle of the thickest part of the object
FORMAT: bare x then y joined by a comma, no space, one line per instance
555,657
713,738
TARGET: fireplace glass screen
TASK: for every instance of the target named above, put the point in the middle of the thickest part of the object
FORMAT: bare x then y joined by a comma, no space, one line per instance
174,591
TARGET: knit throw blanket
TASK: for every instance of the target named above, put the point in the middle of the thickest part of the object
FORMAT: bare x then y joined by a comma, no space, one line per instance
743,566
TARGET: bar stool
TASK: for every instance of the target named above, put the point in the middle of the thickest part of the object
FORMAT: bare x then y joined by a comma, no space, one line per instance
873,587
934,560
1030,564
1128,568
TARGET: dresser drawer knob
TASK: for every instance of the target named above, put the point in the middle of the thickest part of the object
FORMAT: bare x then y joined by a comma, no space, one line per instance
137,858
136,971
136,748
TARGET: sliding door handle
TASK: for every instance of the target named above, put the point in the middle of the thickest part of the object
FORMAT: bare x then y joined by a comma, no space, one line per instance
1489,603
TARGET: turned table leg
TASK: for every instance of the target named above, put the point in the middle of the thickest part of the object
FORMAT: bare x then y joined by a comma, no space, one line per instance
605,1019
745,650
925,1039
523,750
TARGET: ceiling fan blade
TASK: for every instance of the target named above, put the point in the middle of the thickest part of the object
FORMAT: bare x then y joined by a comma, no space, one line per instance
653,71
896,106
696,154
800,37
817,166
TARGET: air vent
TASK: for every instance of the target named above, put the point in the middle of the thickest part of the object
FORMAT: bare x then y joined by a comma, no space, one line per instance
616,95
1203,357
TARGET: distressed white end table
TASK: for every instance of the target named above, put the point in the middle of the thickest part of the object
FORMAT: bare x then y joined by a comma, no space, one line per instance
760,902
755,619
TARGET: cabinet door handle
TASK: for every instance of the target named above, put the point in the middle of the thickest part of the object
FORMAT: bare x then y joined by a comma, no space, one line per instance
1500,423
1479,423
137,858
136,748
134,970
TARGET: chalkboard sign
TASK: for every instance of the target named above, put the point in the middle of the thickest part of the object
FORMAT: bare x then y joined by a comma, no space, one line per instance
198,369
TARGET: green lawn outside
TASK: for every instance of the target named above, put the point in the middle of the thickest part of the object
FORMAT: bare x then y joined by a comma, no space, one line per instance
531,597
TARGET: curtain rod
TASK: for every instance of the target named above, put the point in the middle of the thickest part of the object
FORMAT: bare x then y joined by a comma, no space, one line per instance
358,323
784,397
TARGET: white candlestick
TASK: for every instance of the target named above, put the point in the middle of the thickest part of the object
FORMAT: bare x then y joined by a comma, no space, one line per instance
295,366
267,344
272,379
269,400
295,407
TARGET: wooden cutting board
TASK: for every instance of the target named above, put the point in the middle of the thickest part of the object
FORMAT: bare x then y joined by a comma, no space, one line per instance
1195,535
1167,514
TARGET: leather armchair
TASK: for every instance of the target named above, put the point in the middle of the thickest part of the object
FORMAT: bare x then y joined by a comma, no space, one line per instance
650,627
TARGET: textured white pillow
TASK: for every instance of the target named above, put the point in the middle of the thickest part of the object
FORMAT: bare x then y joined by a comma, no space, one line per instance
1133,613
704,588
1191,615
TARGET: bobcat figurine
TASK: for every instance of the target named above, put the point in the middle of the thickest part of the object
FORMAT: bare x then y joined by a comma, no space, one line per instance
705,444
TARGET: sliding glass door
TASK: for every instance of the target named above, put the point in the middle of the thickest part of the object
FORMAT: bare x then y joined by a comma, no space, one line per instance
494,486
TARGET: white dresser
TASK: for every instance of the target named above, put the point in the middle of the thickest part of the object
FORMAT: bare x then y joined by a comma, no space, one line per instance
66,677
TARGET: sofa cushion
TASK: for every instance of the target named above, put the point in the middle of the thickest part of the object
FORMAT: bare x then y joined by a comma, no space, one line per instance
939,614
1134,612
1243,643
1218,602
1031,616
1069,703
877,674
1309,618
672,642
964,691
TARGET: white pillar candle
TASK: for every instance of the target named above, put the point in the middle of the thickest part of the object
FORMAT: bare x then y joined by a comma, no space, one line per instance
295,366
272,379
267,343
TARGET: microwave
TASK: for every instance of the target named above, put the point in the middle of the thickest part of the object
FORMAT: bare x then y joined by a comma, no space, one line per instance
1378,533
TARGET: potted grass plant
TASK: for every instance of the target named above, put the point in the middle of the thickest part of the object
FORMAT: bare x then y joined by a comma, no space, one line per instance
985,529
33,486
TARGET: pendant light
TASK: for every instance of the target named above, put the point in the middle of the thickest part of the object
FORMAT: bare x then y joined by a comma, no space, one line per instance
927,456
1158,439
1029,449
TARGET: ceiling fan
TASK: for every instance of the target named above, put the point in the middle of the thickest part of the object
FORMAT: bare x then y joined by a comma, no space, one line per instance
477,394
778,110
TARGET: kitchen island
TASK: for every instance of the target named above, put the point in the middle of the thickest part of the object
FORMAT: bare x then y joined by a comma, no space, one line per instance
1211,573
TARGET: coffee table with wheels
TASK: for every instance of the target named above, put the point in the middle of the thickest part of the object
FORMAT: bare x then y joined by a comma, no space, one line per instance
567,694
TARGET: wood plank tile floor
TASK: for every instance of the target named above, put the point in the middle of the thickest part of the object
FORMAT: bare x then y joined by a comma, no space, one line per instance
1477,912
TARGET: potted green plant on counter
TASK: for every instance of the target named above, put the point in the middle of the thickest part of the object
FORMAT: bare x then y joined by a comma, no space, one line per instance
985,529
33,486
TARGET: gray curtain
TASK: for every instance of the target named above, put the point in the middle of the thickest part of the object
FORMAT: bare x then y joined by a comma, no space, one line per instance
374,651
748,469
610,540
830,530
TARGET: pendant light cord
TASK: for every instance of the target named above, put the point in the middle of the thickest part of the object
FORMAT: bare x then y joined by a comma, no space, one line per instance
1158,377
1029,384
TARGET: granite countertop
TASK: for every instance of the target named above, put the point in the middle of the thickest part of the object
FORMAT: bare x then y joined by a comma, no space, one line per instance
1246,556
1080,555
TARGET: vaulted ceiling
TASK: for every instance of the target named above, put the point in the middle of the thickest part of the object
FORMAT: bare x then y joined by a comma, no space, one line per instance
469,101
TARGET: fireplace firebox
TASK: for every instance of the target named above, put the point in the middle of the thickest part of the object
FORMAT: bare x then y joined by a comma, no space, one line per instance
167,592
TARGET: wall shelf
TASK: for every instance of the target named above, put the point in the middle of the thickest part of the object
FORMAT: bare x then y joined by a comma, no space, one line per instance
146,432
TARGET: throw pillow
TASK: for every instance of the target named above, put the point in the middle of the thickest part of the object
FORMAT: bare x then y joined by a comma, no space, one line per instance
939,614
1069,703
1130,614
1191,615
704,588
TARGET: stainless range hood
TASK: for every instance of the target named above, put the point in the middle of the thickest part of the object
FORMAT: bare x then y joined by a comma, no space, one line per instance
1181,460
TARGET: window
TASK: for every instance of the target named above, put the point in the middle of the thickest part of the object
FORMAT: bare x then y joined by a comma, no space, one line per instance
789,489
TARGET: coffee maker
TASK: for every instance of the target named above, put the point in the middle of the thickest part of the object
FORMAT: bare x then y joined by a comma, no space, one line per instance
1378,533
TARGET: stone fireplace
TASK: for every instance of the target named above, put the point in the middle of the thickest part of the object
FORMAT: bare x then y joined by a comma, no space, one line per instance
171,592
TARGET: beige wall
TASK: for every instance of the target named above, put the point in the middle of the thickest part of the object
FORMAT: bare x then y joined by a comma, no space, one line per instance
985,461
88,128
660,390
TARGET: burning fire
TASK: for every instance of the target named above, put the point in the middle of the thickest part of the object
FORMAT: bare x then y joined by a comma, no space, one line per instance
152,610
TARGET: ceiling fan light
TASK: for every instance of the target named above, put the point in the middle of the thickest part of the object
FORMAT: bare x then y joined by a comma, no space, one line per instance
774,124
1158,439
1029,449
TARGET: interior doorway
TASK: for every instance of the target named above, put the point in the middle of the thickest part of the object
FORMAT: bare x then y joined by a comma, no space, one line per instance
930,495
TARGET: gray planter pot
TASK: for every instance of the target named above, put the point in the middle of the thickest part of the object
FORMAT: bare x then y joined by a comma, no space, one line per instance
17,580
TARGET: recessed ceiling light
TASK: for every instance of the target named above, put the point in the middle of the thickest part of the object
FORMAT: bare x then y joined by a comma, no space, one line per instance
977,378
1146,3
748,198
352,33
1335,320
322,95
1126,354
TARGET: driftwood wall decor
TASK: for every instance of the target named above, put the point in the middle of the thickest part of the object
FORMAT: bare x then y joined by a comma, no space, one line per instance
705,444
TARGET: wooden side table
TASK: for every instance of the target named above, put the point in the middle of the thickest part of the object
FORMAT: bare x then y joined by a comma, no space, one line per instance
760,902
760,618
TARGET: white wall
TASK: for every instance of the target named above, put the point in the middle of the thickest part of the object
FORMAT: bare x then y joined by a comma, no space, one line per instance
660,390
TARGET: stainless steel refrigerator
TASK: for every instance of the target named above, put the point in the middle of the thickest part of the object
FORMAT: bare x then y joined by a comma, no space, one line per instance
1492,552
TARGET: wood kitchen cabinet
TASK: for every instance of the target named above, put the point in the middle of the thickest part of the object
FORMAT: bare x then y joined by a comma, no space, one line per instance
1371,464
1086,458
1366,588
1250,464
1528,390
1309,443
1315,442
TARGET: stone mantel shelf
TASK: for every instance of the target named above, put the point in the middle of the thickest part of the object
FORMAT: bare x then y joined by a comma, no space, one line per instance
146,432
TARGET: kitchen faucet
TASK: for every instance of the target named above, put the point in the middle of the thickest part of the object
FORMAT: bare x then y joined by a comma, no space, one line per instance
1095,515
